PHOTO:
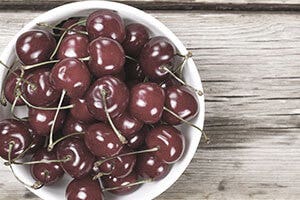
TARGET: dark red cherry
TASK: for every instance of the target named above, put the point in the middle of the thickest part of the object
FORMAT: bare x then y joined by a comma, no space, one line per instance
136,37
69,22
81,162
157,52
117,97
105,23
121,75
181,101
38,141
73,46
147,102
9,88
41,120
84,189
35,46
80,110
13,131
107,57
121,166
149,166
169,140
41,93
73,125
47,173
112,182
71,75
102,141
136,140
127,124
133,71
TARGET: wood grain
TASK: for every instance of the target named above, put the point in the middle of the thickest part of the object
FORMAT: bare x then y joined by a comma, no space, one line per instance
249,64
262,5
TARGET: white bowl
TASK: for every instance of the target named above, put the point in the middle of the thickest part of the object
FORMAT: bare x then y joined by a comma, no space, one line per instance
129,14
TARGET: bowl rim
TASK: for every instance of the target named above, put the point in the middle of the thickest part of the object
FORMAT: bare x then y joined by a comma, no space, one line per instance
194,79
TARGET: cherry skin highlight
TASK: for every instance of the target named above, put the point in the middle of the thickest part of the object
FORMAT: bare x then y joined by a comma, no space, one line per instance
127,124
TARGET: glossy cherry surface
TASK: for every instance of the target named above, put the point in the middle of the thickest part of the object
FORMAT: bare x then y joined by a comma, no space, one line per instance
102,141
169,140
117,97
107,57
9,88
81,162
80,110
47,173
106,23
147,102
136,140
41,93
73,46
121,166
73,125
84,189
69,22
13,131
133,71
181,101
35,46
111,182
41,120
149,166
71,75
127,124
136,37
157,52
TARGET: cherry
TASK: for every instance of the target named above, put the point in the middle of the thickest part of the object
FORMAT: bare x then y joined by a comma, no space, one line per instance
37,142
136,140
127,124
183,102
73,46
105,23
136,37
71,75
133,71
169,140
35,46
41,120
15,133
43,93
84,189
69,22
107,57
73,125
149,166
117,97
101,135
46,173
80,110
120,185
10,86
156,53
81,160
146,102
120,166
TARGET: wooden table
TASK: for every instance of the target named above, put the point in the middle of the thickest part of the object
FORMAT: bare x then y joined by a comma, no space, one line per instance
248,56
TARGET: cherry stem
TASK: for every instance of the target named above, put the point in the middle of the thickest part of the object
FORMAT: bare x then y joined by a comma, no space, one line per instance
24,152
100,162
128,185
131,58
100,174
43,161
119,135
207,140
36,185
182,64
62,37
199,92
12,109
59,28
50,145
44,108
63,138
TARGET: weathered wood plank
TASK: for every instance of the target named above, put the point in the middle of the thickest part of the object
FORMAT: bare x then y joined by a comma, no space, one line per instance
282,5
249,64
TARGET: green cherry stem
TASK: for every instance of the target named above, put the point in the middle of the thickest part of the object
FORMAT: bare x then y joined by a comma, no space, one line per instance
207,140
43,161
63,138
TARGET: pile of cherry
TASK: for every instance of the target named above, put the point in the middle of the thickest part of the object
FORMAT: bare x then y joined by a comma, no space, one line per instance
102,98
